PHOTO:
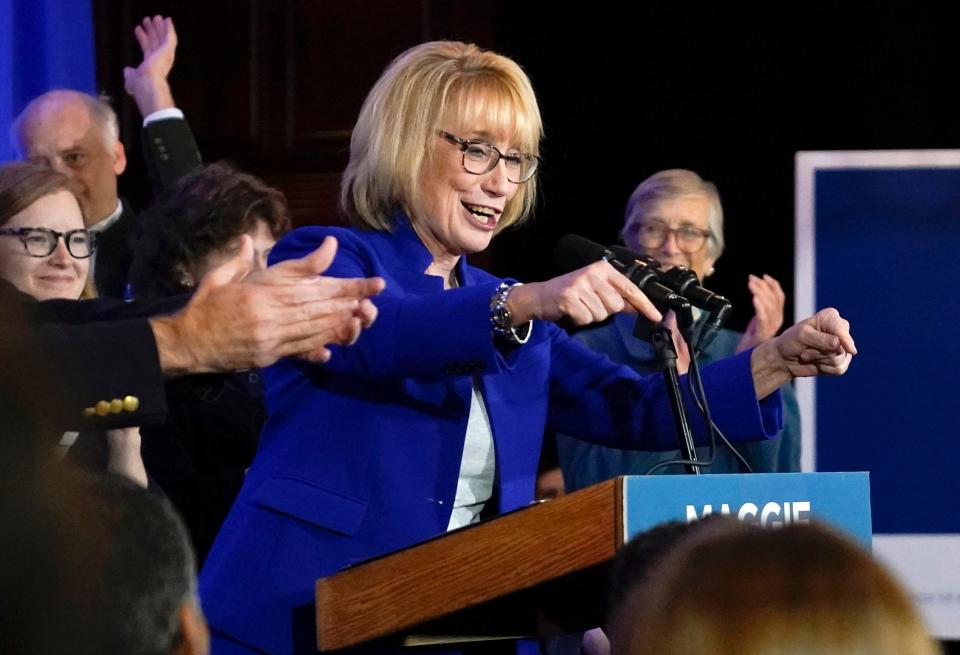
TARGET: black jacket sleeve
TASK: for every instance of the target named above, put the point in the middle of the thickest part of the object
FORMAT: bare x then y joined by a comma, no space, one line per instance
106,374
70,359
169,151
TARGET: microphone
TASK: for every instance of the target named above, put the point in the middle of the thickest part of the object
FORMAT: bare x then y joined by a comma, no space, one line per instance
679,278
685,282
573,252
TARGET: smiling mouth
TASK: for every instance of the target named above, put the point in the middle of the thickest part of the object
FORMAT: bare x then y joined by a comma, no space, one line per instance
57,279
486,216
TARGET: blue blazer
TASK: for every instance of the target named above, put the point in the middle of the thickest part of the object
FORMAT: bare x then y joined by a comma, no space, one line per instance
361,456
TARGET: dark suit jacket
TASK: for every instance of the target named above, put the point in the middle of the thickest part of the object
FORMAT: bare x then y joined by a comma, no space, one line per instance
170,153
85,352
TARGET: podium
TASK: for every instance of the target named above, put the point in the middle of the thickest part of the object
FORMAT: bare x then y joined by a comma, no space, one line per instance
542,569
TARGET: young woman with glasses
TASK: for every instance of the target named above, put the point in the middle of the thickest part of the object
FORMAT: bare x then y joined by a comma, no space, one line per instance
44,249
45,252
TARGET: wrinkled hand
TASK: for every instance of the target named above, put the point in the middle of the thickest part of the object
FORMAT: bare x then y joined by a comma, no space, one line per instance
147,83
819,345
587,295
768,301
236,321
306,271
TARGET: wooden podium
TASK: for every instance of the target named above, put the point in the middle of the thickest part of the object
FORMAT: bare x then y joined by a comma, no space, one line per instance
542,569
531,572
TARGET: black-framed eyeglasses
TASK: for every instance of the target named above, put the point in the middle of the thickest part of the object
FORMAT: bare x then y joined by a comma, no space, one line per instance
689,238
42,241
480,157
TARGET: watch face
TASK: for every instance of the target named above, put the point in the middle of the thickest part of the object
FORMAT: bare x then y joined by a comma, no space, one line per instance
501,317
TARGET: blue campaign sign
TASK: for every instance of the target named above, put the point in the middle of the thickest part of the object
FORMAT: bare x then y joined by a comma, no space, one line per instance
876,237
767,499
893,416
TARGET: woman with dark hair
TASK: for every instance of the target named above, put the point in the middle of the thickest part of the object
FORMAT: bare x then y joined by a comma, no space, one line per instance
199,456
197,225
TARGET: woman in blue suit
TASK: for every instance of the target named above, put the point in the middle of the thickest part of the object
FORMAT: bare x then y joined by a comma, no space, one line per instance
436,413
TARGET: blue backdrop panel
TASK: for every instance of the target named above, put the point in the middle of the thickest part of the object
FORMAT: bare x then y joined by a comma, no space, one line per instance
886,245
44,44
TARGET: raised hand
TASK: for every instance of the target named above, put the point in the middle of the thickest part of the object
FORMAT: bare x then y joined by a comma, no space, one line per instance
148,83
768,300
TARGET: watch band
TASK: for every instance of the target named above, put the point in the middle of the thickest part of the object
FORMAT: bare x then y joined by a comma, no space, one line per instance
501,321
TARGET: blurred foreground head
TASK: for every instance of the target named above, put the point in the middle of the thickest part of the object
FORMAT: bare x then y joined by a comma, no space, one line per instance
97,565
799,590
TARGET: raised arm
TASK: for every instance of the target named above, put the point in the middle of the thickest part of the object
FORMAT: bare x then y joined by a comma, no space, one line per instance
768,301
148,83
169,149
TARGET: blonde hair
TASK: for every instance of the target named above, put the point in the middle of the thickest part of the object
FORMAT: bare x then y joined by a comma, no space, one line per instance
667,185
402,115
797,590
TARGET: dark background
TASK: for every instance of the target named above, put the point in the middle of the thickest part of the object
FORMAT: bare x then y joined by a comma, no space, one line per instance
729,90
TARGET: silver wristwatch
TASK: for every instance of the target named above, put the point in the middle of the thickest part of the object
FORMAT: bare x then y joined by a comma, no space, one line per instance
502,321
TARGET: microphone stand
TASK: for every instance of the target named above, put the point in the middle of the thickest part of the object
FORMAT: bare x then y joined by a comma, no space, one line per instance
661,337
